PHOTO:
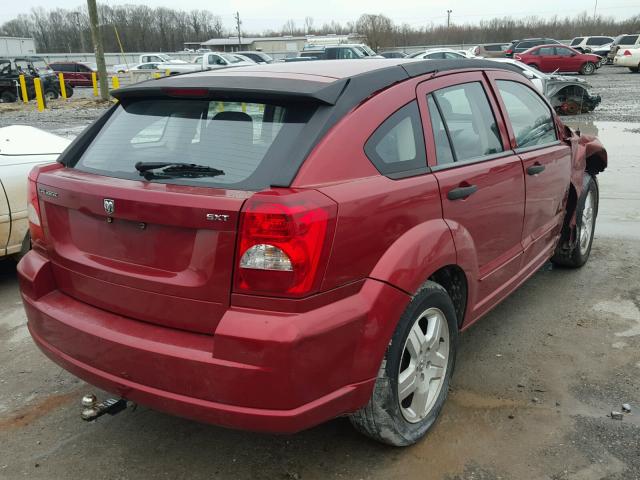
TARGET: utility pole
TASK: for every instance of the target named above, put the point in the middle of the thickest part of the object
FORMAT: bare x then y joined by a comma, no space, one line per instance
238,23
449,12
98,49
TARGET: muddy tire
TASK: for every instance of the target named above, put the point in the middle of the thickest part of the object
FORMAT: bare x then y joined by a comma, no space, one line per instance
634,69
69,90
51,94
586,213
26,246
8,97
413,380
588,68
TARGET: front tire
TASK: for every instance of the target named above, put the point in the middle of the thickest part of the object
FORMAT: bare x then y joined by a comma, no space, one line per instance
588,68
586,213
413,380
8,97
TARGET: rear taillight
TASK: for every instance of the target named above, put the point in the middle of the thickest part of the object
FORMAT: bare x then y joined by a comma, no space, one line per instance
33,208
627,53
517,57
508,52
284,243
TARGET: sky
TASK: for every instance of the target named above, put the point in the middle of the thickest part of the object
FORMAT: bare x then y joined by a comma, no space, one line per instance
260,15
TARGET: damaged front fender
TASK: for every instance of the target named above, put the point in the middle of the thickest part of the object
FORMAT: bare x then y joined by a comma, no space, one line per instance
571,97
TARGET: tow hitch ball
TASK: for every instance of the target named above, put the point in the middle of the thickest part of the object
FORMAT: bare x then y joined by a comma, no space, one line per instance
92,409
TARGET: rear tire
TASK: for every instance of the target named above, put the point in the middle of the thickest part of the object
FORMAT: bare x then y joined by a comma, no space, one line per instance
635,69
51,94
588,68
586,212
413,380
26,246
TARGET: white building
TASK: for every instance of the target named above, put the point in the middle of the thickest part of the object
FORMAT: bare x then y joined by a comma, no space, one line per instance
16,46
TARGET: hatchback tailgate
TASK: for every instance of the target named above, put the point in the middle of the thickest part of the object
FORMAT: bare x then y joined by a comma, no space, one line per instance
153,252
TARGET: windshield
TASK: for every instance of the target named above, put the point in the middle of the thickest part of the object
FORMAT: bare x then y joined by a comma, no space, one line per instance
368,52
235,137
231,58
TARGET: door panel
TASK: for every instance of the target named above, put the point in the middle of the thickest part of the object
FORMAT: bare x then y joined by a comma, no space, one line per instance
491,218
546,163
5,220
482,198
546,191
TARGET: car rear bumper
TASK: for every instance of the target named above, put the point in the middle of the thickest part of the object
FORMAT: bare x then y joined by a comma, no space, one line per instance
262,371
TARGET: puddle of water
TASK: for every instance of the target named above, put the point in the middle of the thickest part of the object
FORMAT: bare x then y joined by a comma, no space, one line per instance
619,213
625,309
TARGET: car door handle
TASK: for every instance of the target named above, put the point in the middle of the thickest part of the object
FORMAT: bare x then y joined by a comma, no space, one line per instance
535,169
461,193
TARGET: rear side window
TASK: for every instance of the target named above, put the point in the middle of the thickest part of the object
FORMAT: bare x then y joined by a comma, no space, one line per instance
530,117
241,139
629,40
469,120
525,45
577,41
397,146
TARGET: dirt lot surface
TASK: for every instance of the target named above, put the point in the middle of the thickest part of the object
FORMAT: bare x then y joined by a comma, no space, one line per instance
535,381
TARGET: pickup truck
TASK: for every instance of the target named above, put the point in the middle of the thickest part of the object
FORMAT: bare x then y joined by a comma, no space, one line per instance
208,61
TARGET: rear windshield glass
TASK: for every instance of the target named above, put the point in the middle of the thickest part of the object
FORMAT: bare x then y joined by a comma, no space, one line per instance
576,41
238,138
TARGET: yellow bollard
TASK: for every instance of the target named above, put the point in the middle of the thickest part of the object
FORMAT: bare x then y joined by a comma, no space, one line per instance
63,87
244,107
156,75
115,82
94,81
221,106
23,89
167,73
39,99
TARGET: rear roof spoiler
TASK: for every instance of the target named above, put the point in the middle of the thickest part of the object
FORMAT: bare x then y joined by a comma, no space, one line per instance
240,87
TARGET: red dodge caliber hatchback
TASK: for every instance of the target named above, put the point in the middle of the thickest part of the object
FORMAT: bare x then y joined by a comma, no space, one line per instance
270,247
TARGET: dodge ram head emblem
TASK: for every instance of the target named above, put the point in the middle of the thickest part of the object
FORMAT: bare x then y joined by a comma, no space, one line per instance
109,206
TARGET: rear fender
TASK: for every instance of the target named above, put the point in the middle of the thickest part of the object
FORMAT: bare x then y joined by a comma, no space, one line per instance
416,255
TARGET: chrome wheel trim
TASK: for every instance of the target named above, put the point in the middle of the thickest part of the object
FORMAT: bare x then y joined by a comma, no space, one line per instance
423,365
589,68
586,226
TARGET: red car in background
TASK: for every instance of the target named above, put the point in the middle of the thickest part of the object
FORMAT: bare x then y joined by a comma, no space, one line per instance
76,73
560,58
271,257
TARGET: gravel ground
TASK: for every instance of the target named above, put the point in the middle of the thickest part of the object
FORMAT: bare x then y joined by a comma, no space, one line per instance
535,381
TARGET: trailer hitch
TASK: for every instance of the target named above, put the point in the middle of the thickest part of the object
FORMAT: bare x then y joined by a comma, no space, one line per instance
92,409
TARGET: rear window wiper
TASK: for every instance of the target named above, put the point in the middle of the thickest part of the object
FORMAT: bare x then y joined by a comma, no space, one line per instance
175,169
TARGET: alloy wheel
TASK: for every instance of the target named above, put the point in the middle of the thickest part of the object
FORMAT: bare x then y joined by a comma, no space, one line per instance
586,227
423,366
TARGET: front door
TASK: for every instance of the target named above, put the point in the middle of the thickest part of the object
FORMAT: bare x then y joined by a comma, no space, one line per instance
546,162
481,182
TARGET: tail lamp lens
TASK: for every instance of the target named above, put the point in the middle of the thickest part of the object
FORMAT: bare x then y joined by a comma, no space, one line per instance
627,53
33,209
283,243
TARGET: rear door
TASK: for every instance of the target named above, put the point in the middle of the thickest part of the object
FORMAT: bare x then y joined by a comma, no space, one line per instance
546,162
549,61
481,182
